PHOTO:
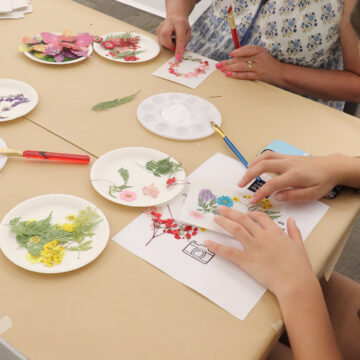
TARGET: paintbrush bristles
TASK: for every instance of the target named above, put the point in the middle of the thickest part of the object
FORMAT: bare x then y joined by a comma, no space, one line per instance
231,19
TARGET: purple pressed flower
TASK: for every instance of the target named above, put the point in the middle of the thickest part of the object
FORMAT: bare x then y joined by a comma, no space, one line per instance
3,117
5,109
206,195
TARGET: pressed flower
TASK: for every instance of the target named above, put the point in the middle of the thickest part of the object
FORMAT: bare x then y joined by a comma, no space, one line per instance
127,195
206,195
196,214
34,239
225,200
235,198
151,191
71,217
202,229
98,39
69,227
108,44
52,253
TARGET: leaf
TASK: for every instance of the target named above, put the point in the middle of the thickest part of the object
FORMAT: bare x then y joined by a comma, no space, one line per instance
113,103
124,174
123,54
162,167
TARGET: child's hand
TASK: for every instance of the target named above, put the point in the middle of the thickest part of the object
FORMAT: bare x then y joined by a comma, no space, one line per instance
277,261
309,177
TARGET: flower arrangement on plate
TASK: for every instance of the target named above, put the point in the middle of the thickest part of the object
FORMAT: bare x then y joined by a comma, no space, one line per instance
127,47
57,48
48,242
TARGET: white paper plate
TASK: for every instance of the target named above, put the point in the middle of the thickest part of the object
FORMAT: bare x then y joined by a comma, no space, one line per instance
82,58
39,208
11,87
105,172
178,116
3,159
150,47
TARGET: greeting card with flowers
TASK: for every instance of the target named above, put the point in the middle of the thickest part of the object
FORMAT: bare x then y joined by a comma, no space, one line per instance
191,71
203,199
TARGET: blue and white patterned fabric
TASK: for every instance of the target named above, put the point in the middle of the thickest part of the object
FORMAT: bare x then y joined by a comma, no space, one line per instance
299,32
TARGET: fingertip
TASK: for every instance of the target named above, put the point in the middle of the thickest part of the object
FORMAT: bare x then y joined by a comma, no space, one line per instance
228,74
223,69
221,208
178,56
207,243
218,65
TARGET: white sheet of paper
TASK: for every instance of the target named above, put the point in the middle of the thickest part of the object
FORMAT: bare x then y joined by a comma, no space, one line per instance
190,72
5,6
189,262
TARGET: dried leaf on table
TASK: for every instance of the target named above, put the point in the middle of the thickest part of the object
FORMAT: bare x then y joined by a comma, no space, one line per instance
113,103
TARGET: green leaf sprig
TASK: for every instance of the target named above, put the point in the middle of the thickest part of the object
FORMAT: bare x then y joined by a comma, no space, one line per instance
124,173
113,103
163,167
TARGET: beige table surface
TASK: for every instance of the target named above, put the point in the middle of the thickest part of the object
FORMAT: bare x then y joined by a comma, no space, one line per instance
119,306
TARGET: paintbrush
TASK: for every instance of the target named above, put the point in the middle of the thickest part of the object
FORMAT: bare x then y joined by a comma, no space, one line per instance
230,16
44,155
233,148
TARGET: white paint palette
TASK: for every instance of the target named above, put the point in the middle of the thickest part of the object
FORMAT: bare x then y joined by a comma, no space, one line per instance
178,116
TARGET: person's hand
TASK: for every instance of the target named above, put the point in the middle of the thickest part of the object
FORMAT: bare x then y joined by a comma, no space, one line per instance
178,26
274,259
252,63
309,178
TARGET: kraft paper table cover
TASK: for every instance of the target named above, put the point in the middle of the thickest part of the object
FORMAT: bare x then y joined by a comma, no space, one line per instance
254,112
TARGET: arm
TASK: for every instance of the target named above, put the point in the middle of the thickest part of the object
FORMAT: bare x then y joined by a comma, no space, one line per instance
324,84
309,178
280,263
176,22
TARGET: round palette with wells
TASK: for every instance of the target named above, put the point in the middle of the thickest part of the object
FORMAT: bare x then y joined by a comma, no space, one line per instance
178,116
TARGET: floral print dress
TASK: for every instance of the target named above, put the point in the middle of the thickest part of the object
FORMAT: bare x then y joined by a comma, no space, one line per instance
299,32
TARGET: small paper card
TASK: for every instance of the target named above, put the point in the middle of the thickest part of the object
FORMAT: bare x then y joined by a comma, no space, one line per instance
203,199
191,71
5,6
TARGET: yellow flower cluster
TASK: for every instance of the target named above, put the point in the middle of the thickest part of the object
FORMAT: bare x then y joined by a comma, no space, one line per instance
69,227
235,198
52,253
247,196
34,239
266,204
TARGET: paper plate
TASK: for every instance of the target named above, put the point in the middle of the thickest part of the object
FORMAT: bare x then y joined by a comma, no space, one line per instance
3,159
82,58
39,208
14,87
127,167
178,116
146,44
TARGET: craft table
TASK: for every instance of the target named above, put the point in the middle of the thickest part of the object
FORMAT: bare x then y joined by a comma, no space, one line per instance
119,306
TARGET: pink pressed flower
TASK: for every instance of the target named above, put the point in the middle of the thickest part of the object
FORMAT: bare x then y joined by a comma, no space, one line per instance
196,214
127,195
150,190
108,44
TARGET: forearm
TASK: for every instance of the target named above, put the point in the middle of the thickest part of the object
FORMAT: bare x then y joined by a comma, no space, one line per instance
349,171
179,8
322,84
308,323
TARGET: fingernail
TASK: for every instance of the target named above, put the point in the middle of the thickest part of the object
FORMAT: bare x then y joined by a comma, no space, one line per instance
228,74
221,207
207,243
178,57
223,69
253,200
292,220
280,197
231,55
218,65
241,183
